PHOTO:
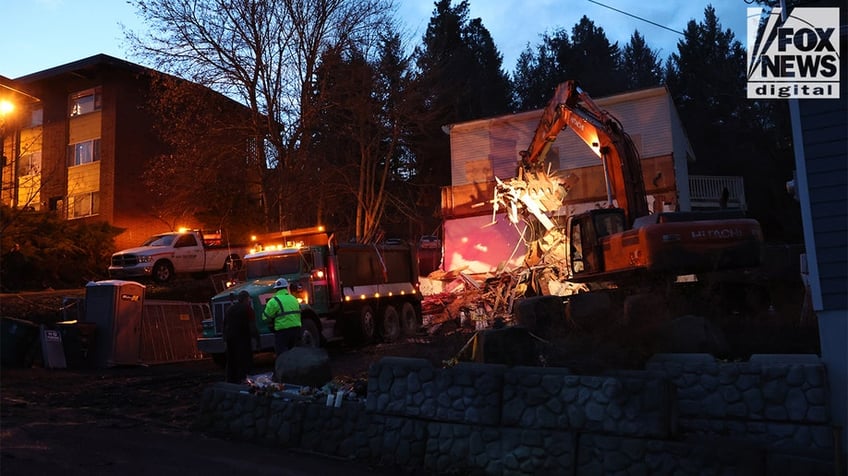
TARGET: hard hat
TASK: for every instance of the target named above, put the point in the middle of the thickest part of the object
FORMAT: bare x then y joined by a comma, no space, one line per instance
281,283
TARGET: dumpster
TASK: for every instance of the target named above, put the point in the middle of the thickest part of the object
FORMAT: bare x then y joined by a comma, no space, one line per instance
115,309
18,342
429,254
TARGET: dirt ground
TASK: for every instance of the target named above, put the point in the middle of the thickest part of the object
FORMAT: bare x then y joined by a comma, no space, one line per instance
138,420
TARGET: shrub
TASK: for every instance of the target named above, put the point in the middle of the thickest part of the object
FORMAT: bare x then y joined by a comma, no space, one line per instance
54,253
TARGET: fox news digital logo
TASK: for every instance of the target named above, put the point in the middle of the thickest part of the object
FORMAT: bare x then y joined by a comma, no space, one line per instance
795,58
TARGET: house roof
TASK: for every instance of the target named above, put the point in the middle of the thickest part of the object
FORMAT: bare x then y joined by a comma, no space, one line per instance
628,96
81,66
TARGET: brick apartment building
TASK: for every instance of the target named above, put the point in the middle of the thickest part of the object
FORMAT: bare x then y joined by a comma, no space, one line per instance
78,141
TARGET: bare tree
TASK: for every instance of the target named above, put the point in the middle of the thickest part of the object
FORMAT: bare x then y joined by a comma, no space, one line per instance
263,53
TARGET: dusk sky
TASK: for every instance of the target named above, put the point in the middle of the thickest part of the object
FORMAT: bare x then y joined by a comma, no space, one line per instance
41,34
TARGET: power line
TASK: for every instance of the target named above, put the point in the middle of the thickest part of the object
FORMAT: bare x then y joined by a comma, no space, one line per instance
639,18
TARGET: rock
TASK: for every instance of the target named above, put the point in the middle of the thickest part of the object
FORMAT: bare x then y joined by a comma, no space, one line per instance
303,366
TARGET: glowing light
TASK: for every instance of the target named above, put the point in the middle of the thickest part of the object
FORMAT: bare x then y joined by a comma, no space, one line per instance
347,298
319,274
361,296
376,295
6,107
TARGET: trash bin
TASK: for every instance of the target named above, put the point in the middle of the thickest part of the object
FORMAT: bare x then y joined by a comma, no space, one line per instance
73,308
78,339
18,342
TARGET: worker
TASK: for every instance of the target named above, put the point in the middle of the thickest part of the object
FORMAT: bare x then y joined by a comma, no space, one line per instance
282,311
239,330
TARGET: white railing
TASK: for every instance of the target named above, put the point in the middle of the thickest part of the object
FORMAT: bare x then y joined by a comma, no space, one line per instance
706,191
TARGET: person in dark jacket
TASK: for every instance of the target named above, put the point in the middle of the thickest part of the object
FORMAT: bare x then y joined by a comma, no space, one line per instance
239,330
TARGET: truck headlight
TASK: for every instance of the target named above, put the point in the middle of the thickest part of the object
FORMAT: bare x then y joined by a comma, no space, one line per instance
145,259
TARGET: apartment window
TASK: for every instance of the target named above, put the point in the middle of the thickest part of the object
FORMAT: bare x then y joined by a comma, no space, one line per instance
84,152
83,205
29,164
36,117
86,101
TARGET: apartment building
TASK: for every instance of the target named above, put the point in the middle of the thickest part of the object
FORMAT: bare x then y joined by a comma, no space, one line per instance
77,143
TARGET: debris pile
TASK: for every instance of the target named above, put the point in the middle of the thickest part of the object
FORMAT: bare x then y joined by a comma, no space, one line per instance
534,198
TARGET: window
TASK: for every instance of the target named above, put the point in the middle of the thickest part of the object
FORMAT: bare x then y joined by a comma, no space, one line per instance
83,205
29,164
36,117
86,101
185,241
84,152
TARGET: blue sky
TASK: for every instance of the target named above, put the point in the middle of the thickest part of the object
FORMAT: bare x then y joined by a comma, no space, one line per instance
41,34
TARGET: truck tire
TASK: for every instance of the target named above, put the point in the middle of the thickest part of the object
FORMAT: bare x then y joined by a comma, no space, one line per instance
367,324
310,337
163,271
409,321
390,329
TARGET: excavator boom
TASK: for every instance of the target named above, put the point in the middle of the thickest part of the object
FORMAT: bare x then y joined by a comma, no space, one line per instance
571,107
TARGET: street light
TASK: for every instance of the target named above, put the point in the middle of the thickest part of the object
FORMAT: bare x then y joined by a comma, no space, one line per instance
6,107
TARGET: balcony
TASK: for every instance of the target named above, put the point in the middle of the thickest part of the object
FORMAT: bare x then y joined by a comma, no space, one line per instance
705,192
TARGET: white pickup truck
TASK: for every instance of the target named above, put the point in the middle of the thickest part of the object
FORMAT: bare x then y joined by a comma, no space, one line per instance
186,251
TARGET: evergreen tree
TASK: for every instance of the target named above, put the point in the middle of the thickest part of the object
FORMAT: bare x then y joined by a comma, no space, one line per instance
730,134
707,78
459,78
593,60
537,76
586,56
640,64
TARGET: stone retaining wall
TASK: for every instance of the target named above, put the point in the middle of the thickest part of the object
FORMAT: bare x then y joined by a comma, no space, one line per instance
685,414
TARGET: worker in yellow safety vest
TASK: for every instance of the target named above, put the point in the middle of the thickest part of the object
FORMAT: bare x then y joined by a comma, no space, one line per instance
282,311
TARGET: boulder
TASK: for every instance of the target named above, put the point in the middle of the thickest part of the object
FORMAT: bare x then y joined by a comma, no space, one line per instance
303,366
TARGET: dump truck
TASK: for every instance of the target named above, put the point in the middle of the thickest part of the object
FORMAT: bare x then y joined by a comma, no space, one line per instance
355,292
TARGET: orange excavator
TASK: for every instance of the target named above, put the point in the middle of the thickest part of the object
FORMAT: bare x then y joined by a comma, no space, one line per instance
626,243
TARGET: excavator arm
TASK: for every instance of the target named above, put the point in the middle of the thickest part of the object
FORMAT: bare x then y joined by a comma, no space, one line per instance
571,107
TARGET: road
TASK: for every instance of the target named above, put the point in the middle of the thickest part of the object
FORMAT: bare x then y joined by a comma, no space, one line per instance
131,421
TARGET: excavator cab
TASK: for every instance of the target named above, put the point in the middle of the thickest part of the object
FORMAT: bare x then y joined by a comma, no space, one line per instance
586,232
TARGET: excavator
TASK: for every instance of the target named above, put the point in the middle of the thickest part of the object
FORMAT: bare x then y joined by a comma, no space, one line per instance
625,240
623,246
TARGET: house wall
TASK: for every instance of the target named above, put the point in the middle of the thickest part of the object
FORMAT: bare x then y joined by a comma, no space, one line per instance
484,149
820,133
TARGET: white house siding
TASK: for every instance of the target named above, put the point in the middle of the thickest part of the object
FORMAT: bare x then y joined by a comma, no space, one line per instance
483,149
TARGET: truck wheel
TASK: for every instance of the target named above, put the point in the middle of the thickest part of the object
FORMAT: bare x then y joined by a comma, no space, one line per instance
367,324
409,320
163,271
390,329
310,337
